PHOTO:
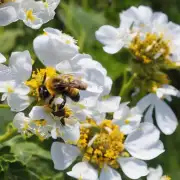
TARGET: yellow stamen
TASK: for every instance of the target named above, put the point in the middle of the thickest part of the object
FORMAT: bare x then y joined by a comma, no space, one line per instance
165,178
10,89
127,121
37,79
40,122
153,48
30,16
100,146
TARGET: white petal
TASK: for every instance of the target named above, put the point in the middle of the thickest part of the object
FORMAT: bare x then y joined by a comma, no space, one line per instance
2,58
131,125
21,65
5,86
165,117
4,96
19,120
167,90
39,112
155,174
159,18
64,67
107,86
6,73
18,102
84,171
149,99
107,34
144,143
51,51
112,49
133,168
107,173
149,115
88,99
22,89
63,155
7,15
109,105
122,112
70,133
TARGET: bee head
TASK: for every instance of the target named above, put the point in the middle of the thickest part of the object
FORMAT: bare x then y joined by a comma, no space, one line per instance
43,92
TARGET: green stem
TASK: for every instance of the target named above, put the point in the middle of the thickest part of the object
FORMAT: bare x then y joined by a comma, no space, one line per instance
85,4
4,106
10,132
126,87
82,40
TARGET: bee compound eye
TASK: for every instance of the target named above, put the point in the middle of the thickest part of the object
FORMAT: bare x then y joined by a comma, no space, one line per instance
43,92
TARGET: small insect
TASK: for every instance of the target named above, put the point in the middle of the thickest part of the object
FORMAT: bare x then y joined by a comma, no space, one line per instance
65,85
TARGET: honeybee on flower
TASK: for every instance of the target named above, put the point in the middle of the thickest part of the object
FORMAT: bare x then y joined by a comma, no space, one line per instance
65,90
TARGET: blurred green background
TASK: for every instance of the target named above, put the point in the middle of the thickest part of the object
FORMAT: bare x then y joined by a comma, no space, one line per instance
22,159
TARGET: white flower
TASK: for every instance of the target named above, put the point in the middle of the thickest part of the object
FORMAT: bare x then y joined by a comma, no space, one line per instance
9,12
141,144
35,13
165,117
142,25
128,119
12,80
43,124
113,39
157,174
54,47
60,51
145,23
48,11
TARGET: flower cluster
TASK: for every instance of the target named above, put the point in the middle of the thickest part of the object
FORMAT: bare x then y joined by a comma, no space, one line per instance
67,98
33,13
153,42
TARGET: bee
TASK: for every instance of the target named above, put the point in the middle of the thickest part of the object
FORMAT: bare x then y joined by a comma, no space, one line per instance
67,85
63,84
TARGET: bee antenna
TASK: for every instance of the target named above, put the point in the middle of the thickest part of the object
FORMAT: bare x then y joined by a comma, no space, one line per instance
44,78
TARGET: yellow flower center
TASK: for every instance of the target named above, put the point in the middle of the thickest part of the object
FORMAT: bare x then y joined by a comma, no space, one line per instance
37,79
165,178
152,49
10,89
101,144
30,16
46,5
67,112
41,122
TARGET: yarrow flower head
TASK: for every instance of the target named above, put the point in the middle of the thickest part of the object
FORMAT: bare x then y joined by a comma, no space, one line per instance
153,38
104,148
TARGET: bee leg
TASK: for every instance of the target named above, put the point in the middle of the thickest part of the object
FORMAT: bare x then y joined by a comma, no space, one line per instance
61,106
62,121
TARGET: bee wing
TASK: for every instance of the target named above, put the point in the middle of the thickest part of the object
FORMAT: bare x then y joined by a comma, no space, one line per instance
65,81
